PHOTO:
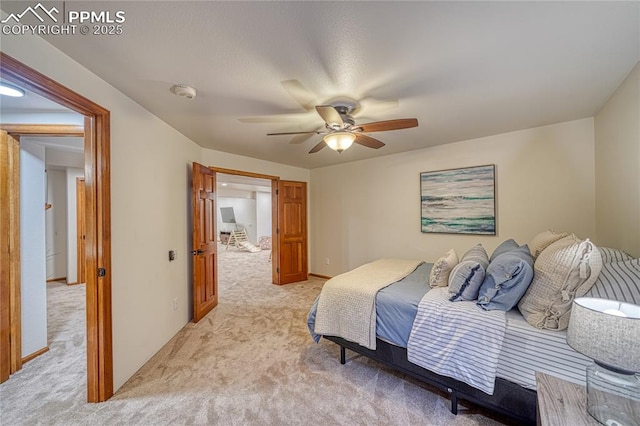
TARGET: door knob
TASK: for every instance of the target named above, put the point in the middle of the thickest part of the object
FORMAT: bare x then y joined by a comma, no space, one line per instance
197,252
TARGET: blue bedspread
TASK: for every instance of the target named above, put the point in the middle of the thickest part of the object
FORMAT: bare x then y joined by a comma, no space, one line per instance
396,307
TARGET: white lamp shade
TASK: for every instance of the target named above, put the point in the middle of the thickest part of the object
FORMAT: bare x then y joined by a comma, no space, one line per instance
339,141
606,331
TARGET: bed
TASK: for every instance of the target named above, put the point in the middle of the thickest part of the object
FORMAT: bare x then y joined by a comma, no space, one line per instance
524,350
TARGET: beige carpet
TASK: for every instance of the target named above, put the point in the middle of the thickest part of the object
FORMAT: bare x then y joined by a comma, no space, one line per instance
249,362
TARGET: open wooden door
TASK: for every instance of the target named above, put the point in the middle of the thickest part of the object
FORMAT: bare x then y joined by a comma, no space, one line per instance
10,326
205,246
292,232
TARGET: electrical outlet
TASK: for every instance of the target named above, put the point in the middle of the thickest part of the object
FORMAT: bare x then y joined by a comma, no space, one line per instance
172,255
326,260
175,303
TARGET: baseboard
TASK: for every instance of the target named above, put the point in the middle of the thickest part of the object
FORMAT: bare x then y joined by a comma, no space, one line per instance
325,277
76,283
56,279
35,354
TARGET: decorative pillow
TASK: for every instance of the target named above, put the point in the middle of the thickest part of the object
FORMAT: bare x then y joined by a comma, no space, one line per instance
507,278
565,270
618,281
544,240
439,276
613,255
467,276
504,247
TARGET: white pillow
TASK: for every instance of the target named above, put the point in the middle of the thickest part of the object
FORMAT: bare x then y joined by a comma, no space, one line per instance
565,270
544,240
610,255
618,281
439,276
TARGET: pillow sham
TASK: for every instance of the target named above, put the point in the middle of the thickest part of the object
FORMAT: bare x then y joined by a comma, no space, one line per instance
504,247
439,276
467,276
618,281
565,270
613,255
544,240
507,278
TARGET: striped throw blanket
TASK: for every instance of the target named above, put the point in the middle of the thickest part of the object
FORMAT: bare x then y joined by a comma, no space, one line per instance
347,303
457,339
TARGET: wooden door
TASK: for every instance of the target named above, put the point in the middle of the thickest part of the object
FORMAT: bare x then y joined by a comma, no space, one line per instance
81,230
205,246
10,325
292,232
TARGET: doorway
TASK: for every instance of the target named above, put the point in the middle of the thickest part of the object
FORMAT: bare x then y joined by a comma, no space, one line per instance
98,247
289,242
245,228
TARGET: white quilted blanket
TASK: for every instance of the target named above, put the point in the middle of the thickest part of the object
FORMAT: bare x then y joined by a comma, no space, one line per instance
347,303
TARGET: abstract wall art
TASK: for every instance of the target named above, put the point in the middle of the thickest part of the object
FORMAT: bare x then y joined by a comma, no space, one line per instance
458,201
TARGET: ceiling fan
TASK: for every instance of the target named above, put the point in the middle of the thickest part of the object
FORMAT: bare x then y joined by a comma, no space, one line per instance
341,131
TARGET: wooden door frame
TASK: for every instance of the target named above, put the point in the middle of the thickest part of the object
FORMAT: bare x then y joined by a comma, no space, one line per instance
98,227
275,258
10,333
81,271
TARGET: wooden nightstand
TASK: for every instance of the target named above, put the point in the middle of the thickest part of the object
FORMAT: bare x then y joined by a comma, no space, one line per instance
561,403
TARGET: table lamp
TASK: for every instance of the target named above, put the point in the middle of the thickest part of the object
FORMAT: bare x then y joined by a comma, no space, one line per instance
608,332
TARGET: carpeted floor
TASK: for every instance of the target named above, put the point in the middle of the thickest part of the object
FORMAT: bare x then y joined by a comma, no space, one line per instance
249,362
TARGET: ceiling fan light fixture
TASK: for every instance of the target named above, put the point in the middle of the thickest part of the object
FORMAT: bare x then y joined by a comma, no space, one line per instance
339,141
11,90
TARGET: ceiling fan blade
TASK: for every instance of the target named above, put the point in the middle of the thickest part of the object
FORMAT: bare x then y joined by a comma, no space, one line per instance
368,141
272,118
318,147
300,138
380,126
375,106
329,114
315,132
301,94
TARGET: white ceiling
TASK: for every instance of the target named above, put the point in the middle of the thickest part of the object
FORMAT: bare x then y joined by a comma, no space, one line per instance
463,69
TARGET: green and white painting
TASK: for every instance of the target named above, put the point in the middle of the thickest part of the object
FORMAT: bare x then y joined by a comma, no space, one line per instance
458,201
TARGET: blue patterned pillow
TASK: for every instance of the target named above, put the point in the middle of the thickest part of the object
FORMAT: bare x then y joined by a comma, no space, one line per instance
507,278
467,276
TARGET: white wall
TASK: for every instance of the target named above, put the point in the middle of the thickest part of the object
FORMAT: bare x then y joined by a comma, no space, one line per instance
244,209
33,276
246,164
72,224
56,224
617,136
263,208
371,208
150,190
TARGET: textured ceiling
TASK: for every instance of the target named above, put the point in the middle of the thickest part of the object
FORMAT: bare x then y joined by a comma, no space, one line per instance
463,69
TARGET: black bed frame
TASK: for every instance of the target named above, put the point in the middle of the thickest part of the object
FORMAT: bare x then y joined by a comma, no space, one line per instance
508,399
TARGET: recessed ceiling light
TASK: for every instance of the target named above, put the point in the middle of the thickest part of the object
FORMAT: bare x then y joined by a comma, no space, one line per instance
183,91
10,90
224,184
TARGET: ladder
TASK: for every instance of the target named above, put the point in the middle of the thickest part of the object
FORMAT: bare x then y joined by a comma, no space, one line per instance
236,238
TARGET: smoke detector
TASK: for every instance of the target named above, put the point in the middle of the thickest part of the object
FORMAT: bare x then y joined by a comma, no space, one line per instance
183,91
